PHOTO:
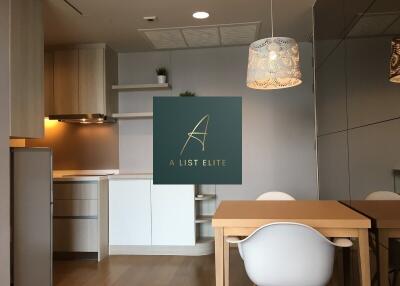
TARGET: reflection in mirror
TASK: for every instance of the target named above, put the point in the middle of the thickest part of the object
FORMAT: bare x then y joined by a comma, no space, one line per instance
358,119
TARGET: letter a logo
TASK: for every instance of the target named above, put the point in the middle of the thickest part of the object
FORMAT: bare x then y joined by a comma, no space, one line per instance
200,136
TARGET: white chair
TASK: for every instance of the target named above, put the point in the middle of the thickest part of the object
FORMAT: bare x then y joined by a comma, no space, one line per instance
275,196
267,196
287,254
382,196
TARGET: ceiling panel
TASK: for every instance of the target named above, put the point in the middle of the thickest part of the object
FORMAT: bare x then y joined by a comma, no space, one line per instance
238,34
201,37
166,39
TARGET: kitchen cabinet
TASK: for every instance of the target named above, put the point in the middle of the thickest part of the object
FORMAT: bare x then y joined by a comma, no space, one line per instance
83,79
173,215
65,94
130,212
75,235
91,81
80,216
26,69
48,82
31,221
143,214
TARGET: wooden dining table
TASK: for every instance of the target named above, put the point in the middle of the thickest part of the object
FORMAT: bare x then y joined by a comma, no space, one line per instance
385,217
331,218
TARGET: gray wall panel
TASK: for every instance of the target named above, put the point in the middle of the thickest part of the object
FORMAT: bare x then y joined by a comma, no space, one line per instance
331,89
371,96
374,153
333,176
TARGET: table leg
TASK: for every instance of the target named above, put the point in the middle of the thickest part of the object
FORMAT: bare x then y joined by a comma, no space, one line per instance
219,256
346,266
363,248
226,263
383,258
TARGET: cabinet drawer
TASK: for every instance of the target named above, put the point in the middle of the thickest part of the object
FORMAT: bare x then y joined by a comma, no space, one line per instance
75,208
78,235
75,191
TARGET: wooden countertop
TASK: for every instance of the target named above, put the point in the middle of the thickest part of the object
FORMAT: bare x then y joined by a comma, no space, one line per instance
71,178
131,176
313,213
385,214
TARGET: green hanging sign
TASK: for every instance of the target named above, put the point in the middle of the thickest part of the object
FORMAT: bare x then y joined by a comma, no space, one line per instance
197,140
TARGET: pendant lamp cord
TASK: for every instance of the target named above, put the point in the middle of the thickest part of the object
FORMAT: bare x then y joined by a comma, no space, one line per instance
272,21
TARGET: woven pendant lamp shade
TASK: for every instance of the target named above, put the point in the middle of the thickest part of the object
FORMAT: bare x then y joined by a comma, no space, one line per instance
273,64
395,61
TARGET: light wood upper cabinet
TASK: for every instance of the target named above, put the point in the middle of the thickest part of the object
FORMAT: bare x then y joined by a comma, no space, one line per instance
27,47
48,82
83,76
66,82
91,81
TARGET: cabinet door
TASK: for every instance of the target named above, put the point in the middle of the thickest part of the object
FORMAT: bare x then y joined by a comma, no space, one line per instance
65,82
75,235
129,212
48,83
26,59
173,214
91,80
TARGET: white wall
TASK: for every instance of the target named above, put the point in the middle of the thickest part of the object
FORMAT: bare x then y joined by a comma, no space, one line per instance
4,146
278,126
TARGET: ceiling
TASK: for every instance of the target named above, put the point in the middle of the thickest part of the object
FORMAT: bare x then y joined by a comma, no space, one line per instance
117,22
381,19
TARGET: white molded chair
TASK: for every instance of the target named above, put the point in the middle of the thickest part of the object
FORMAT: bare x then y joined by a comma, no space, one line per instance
287,254
382,196
267,196
275,196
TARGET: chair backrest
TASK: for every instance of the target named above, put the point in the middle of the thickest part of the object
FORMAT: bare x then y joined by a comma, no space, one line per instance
275,196
282,254
383,195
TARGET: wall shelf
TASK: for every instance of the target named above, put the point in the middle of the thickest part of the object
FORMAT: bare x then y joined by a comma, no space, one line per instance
204,197
146,86
203,218
136,115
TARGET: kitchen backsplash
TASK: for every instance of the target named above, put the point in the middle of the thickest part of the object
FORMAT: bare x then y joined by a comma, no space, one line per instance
79,146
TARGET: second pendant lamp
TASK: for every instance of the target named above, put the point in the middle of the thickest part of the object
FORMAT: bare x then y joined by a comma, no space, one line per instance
274,62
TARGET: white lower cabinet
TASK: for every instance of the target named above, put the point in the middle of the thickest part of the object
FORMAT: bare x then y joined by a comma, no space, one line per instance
143,214
173,215
129,212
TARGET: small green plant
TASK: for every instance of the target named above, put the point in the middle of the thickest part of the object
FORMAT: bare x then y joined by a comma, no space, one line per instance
161,71
187,93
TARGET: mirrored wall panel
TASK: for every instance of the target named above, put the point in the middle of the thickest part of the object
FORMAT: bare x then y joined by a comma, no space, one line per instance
357,60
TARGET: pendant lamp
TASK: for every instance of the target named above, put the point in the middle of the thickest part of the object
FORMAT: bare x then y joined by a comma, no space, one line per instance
395,61
274,62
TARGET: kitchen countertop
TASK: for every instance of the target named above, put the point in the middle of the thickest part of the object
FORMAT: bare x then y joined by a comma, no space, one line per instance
93,175
131,176
79,178
81,175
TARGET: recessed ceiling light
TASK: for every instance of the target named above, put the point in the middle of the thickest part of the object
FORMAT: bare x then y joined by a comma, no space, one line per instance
200,15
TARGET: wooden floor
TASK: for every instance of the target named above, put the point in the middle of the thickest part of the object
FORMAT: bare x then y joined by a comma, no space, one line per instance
148,271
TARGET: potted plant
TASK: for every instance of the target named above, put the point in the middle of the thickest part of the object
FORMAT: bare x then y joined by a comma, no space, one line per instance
161,75
187,94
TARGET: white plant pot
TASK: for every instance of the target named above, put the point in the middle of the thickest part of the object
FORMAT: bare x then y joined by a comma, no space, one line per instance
161,79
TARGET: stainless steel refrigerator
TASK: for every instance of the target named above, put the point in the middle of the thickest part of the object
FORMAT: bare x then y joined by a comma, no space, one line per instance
31,216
